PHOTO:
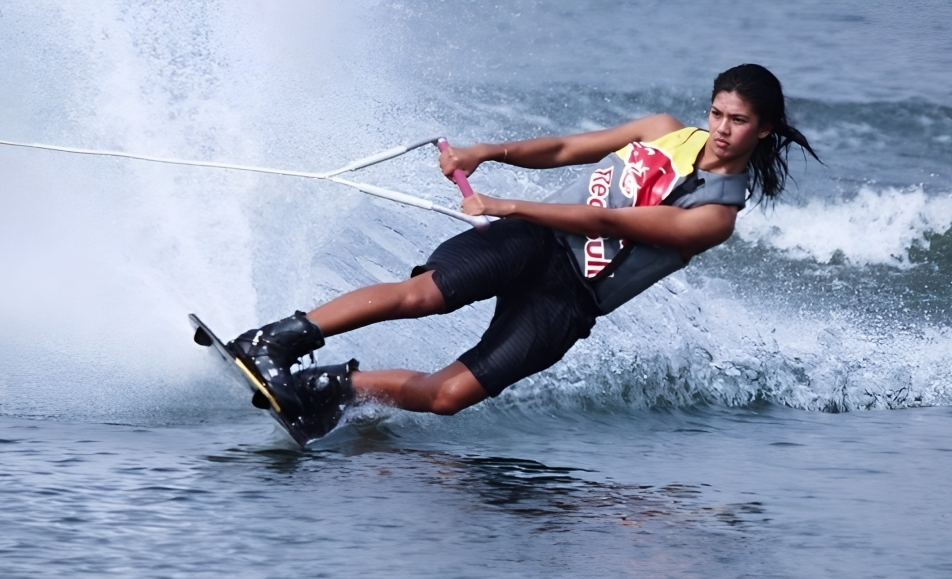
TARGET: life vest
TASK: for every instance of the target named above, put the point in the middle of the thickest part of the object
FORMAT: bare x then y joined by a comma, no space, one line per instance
642,174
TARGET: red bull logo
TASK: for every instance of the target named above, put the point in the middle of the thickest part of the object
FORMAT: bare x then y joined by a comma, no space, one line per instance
595,260
599,185
648,176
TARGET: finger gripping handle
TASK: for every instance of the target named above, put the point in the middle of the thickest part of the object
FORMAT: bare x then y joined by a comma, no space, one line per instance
459,177
463,183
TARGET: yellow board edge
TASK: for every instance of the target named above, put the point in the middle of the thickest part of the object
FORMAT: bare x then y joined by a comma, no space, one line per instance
257,384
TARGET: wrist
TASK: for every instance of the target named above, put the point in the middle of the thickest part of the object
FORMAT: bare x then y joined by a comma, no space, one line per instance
491,152
507,208
496,207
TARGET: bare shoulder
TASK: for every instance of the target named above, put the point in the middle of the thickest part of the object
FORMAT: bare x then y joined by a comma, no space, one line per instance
647,128
590,147
657,126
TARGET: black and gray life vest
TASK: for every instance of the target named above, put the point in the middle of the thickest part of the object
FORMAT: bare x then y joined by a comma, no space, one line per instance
659,172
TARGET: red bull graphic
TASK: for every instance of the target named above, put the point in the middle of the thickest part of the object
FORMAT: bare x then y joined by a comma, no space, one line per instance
595,260
598,187
649,175
638,175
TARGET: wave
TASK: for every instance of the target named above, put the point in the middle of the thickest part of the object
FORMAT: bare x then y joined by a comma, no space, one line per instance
679,345
871,227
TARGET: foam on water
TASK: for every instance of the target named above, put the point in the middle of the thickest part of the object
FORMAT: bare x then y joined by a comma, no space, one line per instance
872,227
707,346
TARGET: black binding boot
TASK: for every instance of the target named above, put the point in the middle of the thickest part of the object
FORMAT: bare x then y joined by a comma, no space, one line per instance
324,391
272,350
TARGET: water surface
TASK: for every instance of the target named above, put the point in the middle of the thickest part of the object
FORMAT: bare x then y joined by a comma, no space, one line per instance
778,409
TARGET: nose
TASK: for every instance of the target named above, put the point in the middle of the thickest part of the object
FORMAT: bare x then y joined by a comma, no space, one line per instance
723,125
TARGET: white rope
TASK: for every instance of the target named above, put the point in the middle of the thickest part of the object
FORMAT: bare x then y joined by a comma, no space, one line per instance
328,176
166,160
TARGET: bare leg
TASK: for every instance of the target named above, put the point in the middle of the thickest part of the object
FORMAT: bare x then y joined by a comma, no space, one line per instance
445,392
413,298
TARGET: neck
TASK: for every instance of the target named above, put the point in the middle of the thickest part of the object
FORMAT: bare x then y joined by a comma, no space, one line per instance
708,161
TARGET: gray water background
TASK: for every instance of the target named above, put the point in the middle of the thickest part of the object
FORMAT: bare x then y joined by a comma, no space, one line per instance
778,409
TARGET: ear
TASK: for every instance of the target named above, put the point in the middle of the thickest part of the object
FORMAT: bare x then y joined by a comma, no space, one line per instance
764,131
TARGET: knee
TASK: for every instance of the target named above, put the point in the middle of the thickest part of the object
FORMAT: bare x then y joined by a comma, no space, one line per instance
450,399
422,296
447,405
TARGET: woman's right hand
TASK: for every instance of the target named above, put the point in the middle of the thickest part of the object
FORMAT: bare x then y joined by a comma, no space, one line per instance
466,159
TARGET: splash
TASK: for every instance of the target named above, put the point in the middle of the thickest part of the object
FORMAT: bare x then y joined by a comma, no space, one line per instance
873,227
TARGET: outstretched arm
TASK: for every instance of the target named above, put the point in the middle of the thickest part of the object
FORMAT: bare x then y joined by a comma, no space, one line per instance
549,152
690,231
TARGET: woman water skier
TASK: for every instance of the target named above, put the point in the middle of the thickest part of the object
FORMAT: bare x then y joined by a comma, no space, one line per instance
659,194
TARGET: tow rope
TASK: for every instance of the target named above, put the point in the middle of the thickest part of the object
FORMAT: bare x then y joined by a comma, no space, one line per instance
479,222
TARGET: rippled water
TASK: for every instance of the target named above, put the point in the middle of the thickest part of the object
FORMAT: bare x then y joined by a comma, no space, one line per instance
766,492
778,409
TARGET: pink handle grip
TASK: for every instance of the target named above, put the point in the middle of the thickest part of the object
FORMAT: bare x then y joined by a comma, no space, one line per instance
458,175
463,183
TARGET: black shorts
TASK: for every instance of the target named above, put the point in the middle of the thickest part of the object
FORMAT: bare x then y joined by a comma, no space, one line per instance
543,306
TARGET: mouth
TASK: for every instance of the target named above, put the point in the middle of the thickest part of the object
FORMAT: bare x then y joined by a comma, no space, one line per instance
721,143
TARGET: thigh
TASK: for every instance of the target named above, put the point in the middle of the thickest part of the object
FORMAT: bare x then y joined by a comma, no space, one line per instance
477,265
531,331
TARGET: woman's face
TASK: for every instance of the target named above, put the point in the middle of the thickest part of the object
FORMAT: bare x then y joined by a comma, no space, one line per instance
735,127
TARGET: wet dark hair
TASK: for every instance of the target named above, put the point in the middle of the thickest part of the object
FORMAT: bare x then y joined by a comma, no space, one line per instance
760,88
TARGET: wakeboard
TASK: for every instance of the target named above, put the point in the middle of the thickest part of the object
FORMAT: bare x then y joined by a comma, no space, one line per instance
325,398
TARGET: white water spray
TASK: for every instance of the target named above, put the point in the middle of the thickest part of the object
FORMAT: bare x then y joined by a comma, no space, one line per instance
103,258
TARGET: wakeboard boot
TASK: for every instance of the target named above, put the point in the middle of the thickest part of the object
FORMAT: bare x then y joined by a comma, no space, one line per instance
271,351
325,393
